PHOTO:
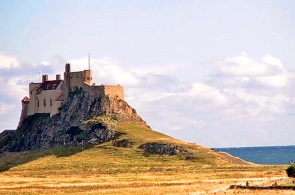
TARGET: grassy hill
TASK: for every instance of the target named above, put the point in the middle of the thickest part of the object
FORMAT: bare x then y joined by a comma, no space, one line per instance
107,158
108,169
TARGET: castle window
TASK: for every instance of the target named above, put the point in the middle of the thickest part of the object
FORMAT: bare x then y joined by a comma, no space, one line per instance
44,102
31,92
50,102
88,78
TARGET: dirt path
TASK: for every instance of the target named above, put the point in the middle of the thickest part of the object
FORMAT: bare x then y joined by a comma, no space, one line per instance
235,160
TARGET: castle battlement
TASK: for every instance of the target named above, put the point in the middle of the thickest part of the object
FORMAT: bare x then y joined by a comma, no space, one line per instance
48,96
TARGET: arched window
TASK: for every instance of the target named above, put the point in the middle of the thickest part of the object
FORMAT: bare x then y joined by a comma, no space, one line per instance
44,102
50,102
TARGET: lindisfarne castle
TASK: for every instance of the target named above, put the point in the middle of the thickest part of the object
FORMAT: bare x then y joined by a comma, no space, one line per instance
49,95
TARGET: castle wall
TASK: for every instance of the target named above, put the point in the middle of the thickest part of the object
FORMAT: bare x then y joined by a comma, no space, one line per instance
65,90
94,91
47,103
78,78
32,109
114,90
43,101
88,77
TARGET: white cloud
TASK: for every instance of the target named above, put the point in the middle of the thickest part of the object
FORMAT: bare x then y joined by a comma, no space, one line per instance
16,90
225,99
106,71
205,92
261,103
231,96
160,69
273,81
8,62
45,63
6,108
245,66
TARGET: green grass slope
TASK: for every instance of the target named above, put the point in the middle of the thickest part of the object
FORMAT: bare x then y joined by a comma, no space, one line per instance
109,159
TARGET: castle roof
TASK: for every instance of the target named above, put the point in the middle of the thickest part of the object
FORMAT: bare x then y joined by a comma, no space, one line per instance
49,85
26,99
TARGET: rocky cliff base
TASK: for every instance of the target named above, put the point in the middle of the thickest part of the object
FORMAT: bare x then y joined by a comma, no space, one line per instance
82,120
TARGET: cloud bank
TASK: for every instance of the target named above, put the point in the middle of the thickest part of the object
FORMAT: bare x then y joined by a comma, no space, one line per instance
245,98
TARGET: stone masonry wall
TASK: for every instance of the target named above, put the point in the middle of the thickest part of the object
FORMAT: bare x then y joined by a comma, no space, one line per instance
114,90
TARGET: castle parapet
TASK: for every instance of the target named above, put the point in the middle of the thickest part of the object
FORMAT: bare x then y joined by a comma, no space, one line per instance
111,90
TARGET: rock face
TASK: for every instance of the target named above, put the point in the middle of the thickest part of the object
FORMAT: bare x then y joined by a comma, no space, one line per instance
159,148
123,143
166,149
82,119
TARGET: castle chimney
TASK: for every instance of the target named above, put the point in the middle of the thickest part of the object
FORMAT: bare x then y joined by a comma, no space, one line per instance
44,78
58,77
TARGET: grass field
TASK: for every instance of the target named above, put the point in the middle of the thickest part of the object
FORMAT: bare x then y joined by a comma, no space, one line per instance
106,169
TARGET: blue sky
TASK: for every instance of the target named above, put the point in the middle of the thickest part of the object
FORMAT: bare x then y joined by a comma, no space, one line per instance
216,73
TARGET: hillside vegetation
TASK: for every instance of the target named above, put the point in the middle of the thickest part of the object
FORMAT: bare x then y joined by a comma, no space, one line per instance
108,169
109,158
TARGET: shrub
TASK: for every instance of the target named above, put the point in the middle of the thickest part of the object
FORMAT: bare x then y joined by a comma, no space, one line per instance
81,136
291,171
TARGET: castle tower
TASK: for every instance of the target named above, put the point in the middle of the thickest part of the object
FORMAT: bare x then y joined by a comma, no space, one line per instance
24,112
67,73
66,88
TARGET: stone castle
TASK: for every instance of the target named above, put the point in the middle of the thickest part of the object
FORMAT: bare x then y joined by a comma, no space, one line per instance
48,96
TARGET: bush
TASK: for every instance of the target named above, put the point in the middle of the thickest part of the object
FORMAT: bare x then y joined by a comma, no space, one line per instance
81,136
291,171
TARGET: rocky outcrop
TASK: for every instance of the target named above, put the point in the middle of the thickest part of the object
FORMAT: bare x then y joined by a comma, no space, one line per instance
159,148
166,149
125,143
82,119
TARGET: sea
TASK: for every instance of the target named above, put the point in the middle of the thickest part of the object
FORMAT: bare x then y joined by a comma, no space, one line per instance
272,155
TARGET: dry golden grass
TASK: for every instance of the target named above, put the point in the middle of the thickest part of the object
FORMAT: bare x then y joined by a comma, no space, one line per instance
105,169
204,181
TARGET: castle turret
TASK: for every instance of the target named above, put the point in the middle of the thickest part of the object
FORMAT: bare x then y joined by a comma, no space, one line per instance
44,78
24,112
